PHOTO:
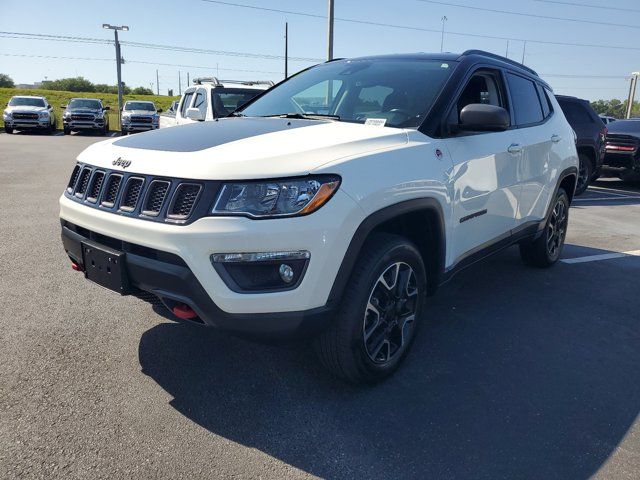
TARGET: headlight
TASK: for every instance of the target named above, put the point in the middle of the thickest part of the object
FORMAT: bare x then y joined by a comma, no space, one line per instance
43,114
6,114
67,115
276,198
126,118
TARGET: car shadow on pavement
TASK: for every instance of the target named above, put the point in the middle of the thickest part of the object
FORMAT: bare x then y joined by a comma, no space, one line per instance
519,373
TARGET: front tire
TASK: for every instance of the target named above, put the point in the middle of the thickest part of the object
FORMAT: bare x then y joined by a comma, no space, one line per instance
381,309
585,173
8,129
545,250
66,130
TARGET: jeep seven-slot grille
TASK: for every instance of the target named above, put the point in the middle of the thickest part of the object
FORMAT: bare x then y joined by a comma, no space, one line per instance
131,194
155,197
184,200
142,196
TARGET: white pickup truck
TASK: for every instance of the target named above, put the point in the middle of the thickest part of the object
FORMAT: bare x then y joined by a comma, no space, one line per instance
210,98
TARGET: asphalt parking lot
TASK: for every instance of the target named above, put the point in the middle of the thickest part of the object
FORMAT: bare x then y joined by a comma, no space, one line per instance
521,373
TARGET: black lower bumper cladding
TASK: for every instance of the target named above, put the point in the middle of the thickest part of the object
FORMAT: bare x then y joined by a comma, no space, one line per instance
168,277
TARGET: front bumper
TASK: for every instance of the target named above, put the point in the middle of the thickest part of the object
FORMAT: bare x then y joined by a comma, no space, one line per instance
28,124
139,127
197,283
84,124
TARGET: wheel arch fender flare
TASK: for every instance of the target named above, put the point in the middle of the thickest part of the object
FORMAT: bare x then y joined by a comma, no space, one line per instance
428,206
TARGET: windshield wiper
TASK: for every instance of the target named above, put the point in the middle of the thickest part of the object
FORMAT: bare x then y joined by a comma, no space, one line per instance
306,116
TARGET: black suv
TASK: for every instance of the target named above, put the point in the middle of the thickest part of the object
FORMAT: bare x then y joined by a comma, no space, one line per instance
85,114
622,157
590,131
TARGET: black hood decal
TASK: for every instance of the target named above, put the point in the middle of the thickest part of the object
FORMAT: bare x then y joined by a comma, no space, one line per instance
202,135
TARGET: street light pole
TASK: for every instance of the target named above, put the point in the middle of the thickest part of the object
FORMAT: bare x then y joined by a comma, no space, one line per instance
330,31
443,19
115,29
286,50
632,93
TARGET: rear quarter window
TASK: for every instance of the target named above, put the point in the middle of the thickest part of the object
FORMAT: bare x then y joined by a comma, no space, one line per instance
526,103
576,114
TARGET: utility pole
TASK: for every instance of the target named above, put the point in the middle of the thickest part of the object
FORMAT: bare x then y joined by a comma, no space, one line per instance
443,19
115,29
179,84
507,54
157,82
632,93
330,31
524,49
187,79
286,50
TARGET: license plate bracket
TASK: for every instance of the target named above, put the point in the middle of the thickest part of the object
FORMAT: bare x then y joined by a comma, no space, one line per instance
105,266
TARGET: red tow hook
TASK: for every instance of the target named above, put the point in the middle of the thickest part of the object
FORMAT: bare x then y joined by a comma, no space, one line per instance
184,311
76,267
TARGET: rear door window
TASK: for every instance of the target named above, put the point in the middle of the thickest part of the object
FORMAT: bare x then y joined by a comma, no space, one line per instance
186,101
526,103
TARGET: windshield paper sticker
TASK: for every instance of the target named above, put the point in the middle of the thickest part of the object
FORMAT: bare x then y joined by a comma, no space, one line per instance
376,122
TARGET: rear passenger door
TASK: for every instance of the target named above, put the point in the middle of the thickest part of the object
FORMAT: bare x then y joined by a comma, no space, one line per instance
532,110
485,166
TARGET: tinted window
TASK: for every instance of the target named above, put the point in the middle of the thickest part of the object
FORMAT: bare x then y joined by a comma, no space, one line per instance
200,102
544,100
334,89
526,103
485,87
186,101
83,103
146,106
576,114
227,100
26,102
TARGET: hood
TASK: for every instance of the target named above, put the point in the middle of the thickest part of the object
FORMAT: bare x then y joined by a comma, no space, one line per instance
138,112
242,148
26,108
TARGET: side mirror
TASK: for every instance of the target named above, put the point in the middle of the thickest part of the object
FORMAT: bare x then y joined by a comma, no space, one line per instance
106,108
63,106
478,117
195,114
159,110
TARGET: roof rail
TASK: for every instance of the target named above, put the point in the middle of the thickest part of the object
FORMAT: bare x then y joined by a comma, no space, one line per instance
219,83
501,58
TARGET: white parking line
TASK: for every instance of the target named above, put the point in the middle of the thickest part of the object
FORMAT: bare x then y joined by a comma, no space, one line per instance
603,190
619,197
604,256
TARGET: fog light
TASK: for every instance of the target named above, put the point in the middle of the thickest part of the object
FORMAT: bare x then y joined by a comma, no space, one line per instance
286,273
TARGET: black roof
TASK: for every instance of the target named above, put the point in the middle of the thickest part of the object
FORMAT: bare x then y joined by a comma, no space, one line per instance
479,55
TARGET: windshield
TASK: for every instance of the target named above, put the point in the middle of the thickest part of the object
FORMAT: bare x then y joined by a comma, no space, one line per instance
26,102
393,92
84,103
227,100
149,107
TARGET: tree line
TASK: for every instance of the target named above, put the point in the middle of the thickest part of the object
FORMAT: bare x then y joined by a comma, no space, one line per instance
79,84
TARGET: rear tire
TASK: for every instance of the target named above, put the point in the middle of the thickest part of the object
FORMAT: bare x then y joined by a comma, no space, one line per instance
585,172
546,250
381,309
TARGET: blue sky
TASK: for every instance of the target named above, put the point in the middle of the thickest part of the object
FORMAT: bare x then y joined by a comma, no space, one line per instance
214,26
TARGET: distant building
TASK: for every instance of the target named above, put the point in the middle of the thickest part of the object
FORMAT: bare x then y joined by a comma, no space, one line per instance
29,85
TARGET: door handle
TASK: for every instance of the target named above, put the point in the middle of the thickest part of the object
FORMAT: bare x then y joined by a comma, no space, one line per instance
514,148
555,138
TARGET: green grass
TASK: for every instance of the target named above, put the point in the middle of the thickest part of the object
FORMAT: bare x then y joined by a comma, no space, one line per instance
58,98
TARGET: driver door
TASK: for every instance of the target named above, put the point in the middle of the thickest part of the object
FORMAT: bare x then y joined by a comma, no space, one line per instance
484,180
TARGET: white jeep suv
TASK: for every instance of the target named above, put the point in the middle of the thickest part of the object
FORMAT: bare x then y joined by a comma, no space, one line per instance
332,205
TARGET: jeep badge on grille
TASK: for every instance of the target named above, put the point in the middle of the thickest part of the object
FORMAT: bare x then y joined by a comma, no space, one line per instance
119,162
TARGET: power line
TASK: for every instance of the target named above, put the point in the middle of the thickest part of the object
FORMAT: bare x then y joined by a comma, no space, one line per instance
575,4
24,55
430,30
531,15
155,46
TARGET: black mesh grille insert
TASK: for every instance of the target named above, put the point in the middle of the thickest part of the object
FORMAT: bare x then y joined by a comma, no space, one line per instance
111,191
96,185
131,194
74,178
83,182
155,197
184,200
